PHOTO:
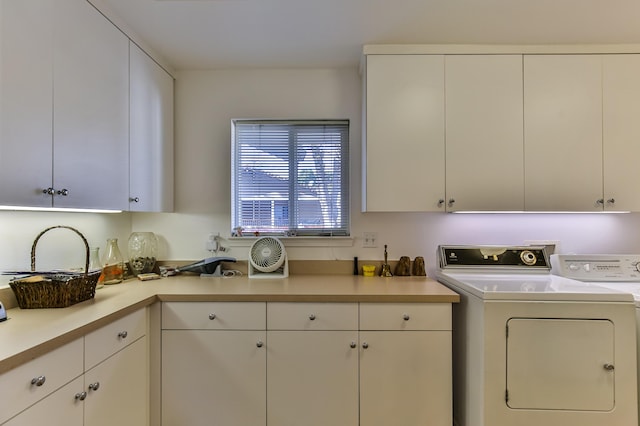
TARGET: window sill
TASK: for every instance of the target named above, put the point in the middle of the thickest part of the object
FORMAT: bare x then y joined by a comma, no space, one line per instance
296,241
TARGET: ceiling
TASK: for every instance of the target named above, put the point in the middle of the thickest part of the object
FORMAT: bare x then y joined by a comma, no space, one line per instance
202,34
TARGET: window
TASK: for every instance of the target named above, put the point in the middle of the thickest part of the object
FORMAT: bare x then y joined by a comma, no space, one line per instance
290,177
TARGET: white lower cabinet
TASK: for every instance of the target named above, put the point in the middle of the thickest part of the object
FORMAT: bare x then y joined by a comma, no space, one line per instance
310,364
117,388
213,364
55,389
61,408
405,364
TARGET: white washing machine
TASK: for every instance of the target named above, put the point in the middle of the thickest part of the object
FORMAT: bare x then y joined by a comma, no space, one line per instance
616,271
535,349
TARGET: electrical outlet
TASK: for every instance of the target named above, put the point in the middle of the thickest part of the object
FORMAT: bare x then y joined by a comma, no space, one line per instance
212,242
369,239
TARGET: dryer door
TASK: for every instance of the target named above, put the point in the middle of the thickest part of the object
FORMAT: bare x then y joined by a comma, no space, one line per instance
560,364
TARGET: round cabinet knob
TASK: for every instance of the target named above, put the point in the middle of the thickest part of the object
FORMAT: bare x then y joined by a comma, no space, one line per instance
365,345
94,386
259,343
134,199
38,381
611,201
353,345
64,192
452,201
609,367
406,317
312,317
48,191
600,201
123,334
81,396
440,202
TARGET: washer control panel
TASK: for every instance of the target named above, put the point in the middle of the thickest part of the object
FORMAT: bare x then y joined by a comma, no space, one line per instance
494,258
597,267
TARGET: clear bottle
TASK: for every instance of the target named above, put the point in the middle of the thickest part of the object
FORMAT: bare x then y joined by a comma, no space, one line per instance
95,264
143,251
112,264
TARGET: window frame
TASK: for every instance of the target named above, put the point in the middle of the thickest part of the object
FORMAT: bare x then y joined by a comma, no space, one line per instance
294,127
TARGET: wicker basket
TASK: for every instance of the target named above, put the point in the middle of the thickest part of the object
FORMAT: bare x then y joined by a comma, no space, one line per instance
55,290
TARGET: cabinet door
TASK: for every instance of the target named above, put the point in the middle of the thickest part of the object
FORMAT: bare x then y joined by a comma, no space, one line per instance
118,388
313,378
61,408
621,131
151,135
213,378
563,132
484,140
91,108
26,102
29,383
403,150
581,352
405,378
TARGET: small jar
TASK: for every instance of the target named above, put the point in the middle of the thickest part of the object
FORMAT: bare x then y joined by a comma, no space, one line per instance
112,264
143,252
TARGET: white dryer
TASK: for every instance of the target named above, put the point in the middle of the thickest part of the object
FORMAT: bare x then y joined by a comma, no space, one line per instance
531,348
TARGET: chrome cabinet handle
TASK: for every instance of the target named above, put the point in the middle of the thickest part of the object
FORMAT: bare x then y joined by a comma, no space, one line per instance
64,192
600,201
81,396
38,381
134,199
451,202
48,191
312,317
353,345
259,343
365,345
609,367
212,316
123,334
611,201
94,386
406,317
440,202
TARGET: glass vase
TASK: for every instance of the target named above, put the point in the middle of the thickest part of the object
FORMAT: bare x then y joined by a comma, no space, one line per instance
112,264
143,252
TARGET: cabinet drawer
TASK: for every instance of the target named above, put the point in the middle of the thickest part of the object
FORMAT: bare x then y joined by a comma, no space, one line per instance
54,369
312,316
405,316
106,341
213,316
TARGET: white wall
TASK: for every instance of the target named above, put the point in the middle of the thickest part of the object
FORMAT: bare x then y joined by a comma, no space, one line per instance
206,101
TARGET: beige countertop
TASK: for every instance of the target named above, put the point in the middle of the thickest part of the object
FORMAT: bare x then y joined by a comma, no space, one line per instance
29,333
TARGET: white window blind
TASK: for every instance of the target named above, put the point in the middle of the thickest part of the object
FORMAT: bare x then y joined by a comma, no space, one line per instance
290,176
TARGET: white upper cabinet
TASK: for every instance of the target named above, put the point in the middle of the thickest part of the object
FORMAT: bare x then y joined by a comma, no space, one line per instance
26,99
91,108
484,141
65,111
403,153
151,135
621,131
563,132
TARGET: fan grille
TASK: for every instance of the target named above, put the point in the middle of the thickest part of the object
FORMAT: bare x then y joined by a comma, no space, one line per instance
267,254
